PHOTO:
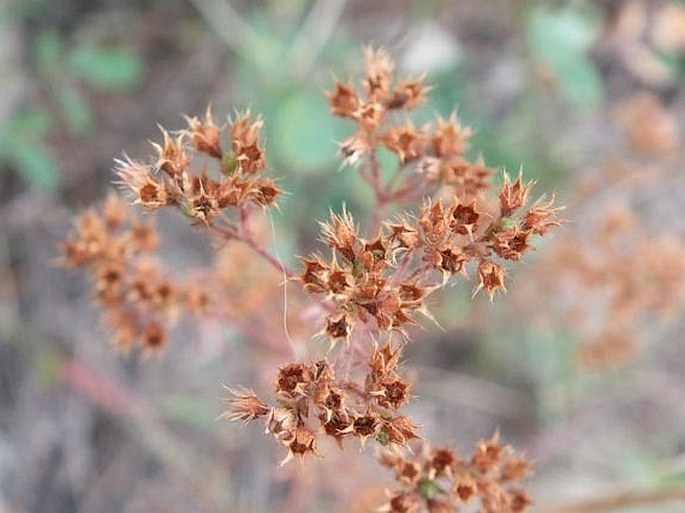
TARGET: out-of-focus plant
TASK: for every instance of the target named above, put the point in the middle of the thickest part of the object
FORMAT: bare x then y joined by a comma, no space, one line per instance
618,276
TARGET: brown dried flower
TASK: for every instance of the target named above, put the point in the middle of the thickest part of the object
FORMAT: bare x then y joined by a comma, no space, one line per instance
438,480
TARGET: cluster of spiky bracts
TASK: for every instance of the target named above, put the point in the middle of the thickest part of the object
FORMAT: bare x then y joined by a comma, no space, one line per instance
384,282
313,402
180,178
138,297
429,155
438,481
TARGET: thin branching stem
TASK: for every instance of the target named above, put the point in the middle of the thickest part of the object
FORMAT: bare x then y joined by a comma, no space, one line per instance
246,236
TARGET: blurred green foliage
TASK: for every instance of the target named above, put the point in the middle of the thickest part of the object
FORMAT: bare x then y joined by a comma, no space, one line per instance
22,146
561,39
115,69
68,73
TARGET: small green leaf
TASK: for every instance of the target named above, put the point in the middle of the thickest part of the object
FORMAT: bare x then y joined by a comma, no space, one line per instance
34,123
304,133
77,112
36,164
429,489
383,437
48,50
22,145
562,39
508,223
110,69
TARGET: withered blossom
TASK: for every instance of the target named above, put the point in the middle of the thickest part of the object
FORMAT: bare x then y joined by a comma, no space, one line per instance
244,405
450,138
438,480
344,101
205,135
311,395
145,188
172,156
406,141
409,93
379,69
139,298
491,276
174,180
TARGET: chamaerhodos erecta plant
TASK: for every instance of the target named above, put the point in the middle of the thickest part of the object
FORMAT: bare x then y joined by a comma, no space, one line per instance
366,290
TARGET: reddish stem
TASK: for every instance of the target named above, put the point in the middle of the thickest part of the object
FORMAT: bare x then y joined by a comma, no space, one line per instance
246,237
380,191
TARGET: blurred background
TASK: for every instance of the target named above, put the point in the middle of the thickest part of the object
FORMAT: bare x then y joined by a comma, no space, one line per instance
581,365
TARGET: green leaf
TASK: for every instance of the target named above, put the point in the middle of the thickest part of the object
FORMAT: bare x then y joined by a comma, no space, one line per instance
304,134
34,123
48,50
109,69
77,112
562,39
429,489
36,164
22,145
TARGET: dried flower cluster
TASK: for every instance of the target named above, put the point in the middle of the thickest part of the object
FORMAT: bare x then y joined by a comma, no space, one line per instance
138,296
179,179
432,154
313,402
385,281
370,289
368,292
618,276
438,481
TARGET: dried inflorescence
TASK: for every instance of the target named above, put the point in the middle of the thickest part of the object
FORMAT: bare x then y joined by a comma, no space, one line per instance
429,155
368,290
313,402
438,481
138,297
371,288
385,281
179,178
